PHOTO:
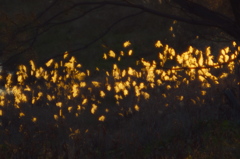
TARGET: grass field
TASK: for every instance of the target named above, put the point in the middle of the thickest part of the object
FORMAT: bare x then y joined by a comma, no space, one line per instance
62,110
125,106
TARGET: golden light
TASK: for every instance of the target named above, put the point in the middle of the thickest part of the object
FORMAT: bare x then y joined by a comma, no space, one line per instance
109,87
33,100
102,94
231,67
224,75
60,112
179,59
19,96
193,101
206,85
131,71
133,84
65,55
56,65
20,79
190,49
234,43
54,77
33,67
55,117
201,78
180,98
34,119
49,62
70,109
121,53
22,69
142,85
112,54
105,56
158,44
137,91
117,89
21,114
185,81
71,64
49,97
125,92
200,60
101,118
136,107
116,71
203,93
168,87
123,73
127,83
172,53
166,78
126,44
130,52
84,101
40,94
159,82
152,85
27,88
96,83
94,108
83,84
88,72
59,104
145,95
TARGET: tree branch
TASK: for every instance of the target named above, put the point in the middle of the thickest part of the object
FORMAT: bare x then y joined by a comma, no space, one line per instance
100,36
206,17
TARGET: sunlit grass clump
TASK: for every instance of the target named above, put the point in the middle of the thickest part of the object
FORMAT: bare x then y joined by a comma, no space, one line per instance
63,95
59,82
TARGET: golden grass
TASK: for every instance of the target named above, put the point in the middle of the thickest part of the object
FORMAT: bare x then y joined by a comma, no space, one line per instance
152,109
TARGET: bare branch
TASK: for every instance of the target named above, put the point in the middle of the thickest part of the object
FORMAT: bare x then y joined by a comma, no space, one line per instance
206,18
100,36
